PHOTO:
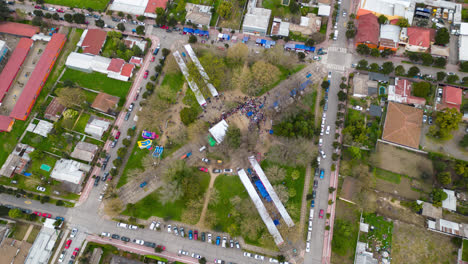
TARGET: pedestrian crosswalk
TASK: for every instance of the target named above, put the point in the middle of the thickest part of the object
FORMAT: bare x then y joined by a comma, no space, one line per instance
336,67
337,49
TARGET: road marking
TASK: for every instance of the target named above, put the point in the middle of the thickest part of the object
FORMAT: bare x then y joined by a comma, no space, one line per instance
27,202
337,49
335,67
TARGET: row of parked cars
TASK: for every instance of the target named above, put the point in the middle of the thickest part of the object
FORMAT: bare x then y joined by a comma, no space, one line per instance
140,242
67,246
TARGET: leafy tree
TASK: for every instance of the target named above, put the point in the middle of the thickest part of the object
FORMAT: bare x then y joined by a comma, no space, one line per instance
15,213
117,162
294,7
374,67
188,115
375,52
447,120
444,178
233,137
342,96
38,13
382,19
325,84
310,42
225,9
55,16
121,14
387,67
453,78
59,203
403,22
192,39
165,52
386,52
464,142
355,152
70,113
202,260
441,76
68,17
342,231
464,66
264,73
79,18
301,56
4,11
99,23
121,27
140,30
440,62
413,56
37,21
413,71
299,125
48,15
141,18
442,36
238,53
427,59
362,64
363,49
421,89
350,33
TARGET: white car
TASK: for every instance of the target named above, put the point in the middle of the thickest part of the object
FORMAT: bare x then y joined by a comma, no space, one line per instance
158,224
52,9
321,131
328,130
205,160
41,189
320,142
138,241
308,247
141,23
318,160
73,232
324,115
260,257
228,170
176,231
195,255
219,261
62,257
105,234
169,230
248,254
152,225
122,225
439,92
134,227
324,156
272,260
101,196
209,238
329,75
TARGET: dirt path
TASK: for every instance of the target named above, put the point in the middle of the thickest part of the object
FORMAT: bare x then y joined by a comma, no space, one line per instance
207,200
28,232
304,207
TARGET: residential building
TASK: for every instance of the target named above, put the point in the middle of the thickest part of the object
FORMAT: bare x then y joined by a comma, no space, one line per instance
360,85
127,72
70,171
18,29
199,15
389,37
44,245
88,63
379,77
256,19
17,162
84,151
420,39
363,256
138,7
429,210
54,110
448,227
463,48
152,5
130,41
93,41
401,93
279,28
137,61
451,202
42,128
309,24
324,10
105,102
368,31
392,9
451,98
403,125
96,127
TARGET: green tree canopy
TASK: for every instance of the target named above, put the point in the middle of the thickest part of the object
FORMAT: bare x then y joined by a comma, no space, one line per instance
421,89
442,36
382,19
363,49
225,9
233,137
15,213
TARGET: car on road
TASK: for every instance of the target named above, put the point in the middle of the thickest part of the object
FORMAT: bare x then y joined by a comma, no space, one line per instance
203,237
329,75
73,232
133,227
324,156
114,143
127,116
247,254
40,188
138,241
312,204
197,256
104,177
67,245
183,252
150,244
38,7
217,171
320,142
205,160
125,239
272,260
145,76
117,136
203,169
322,173
308,243
143,184
195,235
259,257
60,10
115,236
130,107
424,120
439,92
62,257
321,213
218,240
169,230
75,253
450,73
105,234
315,184
328,130
153,59
209,239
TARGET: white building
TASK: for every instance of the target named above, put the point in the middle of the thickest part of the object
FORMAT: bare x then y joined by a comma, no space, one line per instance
463,42
3,50
42,248
451,202
256,19
87,63
324,10
199,15
96,127
279,28
70,171
134,7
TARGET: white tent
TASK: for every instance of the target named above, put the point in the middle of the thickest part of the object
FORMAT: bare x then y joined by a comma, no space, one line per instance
205,76
192,84
218,131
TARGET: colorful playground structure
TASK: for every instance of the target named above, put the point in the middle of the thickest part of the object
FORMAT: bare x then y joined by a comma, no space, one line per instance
158,151
149,135
145,144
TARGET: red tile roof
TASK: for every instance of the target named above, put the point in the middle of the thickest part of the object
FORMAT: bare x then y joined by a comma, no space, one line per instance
403,88
115,65
127,70
18,29
368,30
453,97
421,36
136,60
94,41
54,110
38,77
403,125
14,64
153,4
5,123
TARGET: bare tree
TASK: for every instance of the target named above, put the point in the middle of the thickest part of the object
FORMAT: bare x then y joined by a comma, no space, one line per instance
171,65
193,211
275,173
148,162
170,192
70,96
214,196
197,130
242,79
282,192
297,151
238,52
276,55
113,207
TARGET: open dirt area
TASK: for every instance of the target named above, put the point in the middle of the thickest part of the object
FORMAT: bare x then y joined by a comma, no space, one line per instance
402,190
414,244
401,161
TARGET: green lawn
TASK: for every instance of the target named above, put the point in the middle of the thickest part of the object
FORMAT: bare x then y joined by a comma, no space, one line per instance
382,233
8,140
98,81
85,4
54,144
465,250
151,206
81,124
387,175
35,166
94,141
34,232
20,230
174,80
134,162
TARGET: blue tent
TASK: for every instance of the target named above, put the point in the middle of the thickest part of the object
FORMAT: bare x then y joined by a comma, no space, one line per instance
197,31
245,39
204,33
275,104
250,113
262,190
263,41
188,30
276,222
258,41
226,36
271,131
293,92
249,171
300,47
289,46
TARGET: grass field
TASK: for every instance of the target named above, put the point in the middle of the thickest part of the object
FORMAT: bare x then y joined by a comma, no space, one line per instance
345,233
35,167
98,81
8,140
465,250
174,80
387,175
134,162
80,125
85,4
20,231
151,206
382,233
34,232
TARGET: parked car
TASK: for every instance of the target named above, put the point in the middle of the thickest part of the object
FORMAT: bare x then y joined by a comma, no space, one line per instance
272,260
424,118
67,245
105,234
203,237
130,107
115,236
114,143
46,215
308,243
315,184
205,160
138,241
203,169
195,255
247,254
133,227
195,235
190,234
104,177
127,116
182,232
322,173
169,230
41,189
153,59
217,171
259,257
143,184
125,239
150,244
62,257
328,130
320,142
312,204
228,170
321,213
429,120
75,253
73,232
218,240
145,76
209,239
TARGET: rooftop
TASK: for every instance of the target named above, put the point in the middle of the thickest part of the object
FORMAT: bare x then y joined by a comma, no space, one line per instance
451,202
219,131
96,127
105,102
401,93
389,35
116,65
403,125
422,37
368,29
18,29
198,14
43,246
135,7
430,210
360,85
54,110
453,97
153,4
70,170
257,18
84,151
127,70
93,41
463,48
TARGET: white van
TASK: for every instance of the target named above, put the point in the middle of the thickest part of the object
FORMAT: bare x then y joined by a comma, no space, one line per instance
335,35
224,242
202,148
122,225
152,226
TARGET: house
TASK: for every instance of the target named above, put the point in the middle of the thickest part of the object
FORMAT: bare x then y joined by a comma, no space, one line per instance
131,41
199,15
54,110
88,63
448,227
42,128
256,19
401,93
363,256
70,171
392,9
451,98
324,10
137,61
389,37
463,48
127,72
430,210
309,24
18,29
105,102
360,85
138,7
403,125
84,151
420,39
96,127
279,28
451,202
368,31
44,245
17,162
152,5
93,41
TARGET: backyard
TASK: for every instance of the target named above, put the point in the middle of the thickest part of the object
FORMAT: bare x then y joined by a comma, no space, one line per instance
84,4
345,233
380,233
98,82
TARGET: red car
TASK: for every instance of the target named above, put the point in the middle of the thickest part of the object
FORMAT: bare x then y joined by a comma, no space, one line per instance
153,58
195,235
203,169
75,253
67,245
164,27
37,7
46,215
37,213
60,10
117,135
146,74
321,213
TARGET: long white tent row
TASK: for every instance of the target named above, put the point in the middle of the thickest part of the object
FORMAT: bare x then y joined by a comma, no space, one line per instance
279,205
205,76
260,207
193,86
